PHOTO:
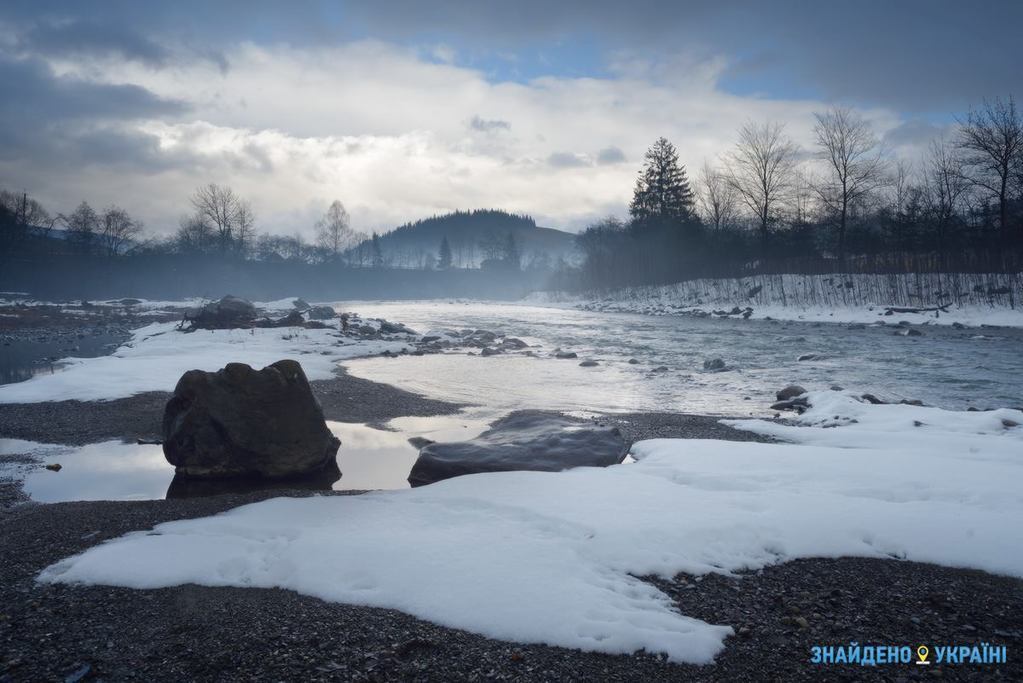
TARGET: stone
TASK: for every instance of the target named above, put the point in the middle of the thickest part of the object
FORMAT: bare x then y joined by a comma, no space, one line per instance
300,304
54,467
808,356
789,392
487,351
513,343
321,313
589,364
714,364
240,422
522,441
633,361
565,355
227,313
387,327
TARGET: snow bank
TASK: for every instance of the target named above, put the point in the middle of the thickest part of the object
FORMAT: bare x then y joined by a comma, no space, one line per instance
972,299
551,557
158,355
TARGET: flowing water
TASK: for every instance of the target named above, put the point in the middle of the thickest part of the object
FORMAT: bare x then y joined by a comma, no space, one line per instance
944,367
979,367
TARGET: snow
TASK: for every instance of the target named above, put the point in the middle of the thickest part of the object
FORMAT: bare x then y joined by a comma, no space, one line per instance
823,298
552,558
158,355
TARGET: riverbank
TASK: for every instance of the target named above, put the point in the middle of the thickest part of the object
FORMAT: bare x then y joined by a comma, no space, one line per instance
55,631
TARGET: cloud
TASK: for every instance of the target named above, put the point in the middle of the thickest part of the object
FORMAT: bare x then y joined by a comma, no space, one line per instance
77,38
488,125
382,127
610,155
567,160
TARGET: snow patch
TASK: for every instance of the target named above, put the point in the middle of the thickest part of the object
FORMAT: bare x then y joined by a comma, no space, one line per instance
544,557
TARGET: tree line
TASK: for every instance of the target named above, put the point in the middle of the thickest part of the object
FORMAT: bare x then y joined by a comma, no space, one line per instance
766,205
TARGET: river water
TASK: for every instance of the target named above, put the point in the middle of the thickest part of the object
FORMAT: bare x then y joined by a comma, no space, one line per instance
978,367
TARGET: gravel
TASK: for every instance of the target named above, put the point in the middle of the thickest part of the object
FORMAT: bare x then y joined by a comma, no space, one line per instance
51,632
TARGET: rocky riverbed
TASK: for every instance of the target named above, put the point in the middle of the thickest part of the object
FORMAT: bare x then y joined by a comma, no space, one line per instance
779,613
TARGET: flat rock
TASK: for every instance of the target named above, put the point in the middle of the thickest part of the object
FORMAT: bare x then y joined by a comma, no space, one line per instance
522,441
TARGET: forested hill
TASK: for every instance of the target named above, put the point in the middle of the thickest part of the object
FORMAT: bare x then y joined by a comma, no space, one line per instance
474,236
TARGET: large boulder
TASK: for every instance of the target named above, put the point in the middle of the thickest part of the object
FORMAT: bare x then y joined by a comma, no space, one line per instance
522,441
229,312
244,422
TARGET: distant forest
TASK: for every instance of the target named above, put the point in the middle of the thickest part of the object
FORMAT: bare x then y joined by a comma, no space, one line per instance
766,206
843,206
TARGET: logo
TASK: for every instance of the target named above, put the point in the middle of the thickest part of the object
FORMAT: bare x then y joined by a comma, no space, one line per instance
922,653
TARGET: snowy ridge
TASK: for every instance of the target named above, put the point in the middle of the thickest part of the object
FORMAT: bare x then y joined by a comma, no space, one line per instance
552,557
971,298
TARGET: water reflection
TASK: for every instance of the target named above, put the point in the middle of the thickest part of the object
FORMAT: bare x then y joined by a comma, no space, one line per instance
369,458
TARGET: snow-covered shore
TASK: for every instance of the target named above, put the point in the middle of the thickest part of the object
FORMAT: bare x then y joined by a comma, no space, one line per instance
158,354
966,298
553,557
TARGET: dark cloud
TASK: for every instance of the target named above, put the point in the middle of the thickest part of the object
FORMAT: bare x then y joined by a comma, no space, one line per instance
610,155
913,54
77,38
48,117
488,125
914,133
567,160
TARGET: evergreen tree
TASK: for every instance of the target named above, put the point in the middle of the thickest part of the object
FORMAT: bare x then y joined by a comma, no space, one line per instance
444,261
662,189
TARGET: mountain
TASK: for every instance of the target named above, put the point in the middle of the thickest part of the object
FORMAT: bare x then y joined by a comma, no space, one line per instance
473,237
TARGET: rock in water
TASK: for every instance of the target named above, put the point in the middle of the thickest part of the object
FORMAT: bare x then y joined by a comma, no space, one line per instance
714,364
790,392
244,422
522,441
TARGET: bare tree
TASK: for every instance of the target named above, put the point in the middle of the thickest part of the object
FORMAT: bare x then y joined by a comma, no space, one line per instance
717,198
992,140
947,187
195,236
760,169
334,231
229,216
82,224
117,229
855,161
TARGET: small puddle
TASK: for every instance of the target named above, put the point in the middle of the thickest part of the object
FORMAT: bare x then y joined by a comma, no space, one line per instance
369,458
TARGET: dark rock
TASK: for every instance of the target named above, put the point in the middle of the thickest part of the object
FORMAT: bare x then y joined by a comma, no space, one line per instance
244,422
714,364
809,356
129,302
394,328
300,304
227,313
958,326
791,391
487,351
513,343
54,467
798,404
321,313
589,364
420,442
870,398
522,441
565,355
660,368
633,361
483,336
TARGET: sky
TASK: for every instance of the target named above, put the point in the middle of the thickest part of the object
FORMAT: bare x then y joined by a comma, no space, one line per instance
404,109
